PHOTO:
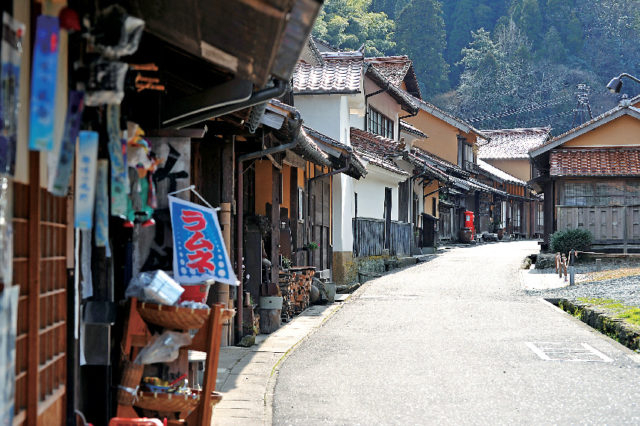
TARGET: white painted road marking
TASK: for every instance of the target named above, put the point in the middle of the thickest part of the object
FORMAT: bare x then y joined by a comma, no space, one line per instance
561,351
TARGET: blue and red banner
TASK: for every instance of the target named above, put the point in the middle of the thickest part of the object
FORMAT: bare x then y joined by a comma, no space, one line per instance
199,252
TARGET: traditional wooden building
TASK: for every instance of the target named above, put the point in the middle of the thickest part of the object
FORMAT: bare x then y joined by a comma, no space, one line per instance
195,63
590,177
508,151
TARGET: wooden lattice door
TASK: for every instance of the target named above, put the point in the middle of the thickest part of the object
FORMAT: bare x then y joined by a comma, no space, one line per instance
41,251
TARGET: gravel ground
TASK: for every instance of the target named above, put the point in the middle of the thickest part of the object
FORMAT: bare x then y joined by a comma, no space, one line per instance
619,280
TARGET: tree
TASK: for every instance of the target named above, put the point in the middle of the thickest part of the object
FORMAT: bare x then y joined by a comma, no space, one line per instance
348,24
420,34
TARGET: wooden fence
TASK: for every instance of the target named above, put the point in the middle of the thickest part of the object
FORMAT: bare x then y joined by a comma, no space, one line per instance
369,237
609,224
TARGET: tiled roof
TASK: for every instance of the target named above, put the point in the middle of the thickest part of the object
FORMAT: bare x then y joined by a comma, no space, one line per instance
394,68
356,168
501,175
595,162
377,149
405,99
406,127
512,143
340,72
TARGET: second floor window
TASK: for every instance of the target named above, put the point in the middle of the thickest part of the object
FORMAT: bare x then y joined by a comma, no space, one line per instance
379,124
465,155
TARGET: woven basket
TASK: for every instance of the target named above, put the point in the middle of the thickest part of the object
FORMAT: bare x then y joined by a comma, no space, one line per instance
173,317
168,402
131,376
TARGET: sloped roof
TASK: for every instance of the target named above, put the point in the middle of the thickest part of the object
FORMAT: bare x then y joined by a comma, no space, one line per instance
340,72
624,108
595,162
501,175
397,69
512,143
342,154
408,128
377,150
394,68
403,98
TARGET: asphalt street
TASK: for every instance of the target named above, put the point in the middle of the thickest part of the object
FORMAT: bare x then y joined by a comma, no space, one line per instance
456,341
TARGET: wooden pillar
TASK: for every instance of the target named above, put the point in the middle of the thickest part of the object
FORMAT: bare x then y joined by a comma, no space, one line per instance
548,211
33,340
275,224
227,170
293,211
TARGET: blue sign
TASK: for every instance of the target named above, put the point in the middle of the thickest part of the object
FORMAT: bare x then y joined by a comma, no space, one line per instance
86,178
199,252
43,83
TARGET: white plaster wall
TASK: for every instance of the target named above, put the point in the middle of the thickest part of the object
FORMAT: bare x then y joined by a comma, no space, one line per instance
371,190
321,113
343,212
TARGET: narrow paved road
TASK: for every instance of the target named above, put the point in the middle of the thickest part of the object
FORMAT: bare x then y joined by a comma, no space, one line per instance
454,341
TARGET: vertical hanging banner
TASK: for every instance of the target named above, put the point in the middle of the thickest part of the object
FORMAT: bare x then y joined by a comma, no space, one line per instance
59,185
10,58
86,179
102,204
43,83
8,333
119,176
199,252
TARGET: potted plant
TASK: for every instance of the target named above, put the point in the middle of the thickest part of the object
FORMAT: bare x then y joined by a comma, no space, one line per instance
312,245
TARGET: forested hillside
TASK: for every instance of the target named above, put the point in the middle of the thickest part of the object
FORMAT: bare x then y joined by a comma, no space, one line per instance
499,63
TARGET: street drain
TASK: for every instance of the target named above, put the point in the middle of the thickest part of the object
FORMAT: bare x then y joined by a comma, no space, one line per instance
563,351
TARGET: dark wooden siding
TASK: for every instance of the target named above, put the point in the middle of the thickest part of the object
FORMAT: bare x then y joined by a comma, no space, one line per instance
369,237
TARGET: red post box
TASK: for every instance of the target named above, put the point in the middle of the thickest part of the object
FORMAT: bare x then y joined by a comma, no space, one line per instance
468,223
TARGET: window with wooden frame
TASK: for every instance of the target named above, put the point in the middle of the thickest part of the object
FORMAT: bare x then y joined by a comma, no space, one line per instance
379,124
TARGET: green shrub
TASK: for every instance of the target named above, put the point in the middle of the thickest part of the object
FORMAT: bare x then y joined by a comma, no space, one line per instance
576,239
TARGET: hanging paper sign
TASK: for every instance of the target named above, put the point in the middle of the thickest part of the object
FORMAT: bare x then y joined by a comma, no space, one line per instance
10,58
102,204
59,185
119,176
43,83
86,178
199,252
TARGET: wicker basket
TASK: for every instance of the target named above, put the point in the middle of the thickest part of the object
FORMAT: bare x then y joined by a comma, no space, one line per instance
168,402
131,376
173,317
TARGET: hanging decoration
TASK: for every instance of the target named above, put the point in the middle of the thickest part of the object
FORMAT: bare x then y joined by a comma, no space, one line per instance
43,83
199,252
102,204
8,334
86,179
117,154
6,233
141,162
59,185
10,58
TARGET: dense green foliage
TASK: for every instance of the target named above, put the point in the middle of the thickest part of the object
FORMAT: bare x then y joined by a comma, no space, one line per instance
558,44
571,239
349,24
420,35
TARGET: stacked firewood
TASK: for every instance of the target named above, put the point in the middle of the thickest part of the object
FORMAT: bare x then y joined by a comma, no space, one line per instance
295,286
